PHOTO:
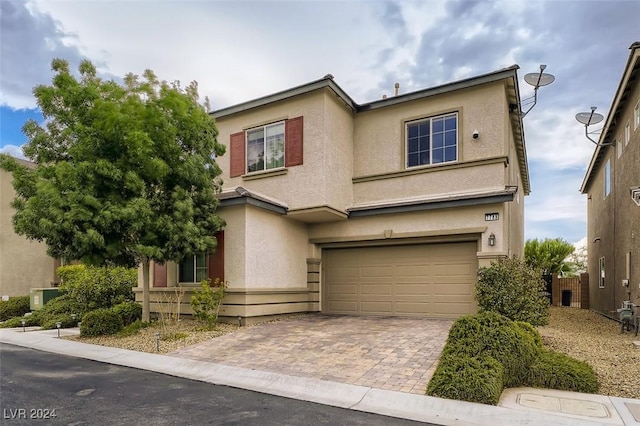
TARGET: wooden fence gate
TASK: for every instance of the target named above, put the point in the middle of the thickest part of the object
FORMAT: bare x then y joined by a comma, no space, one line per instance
572,291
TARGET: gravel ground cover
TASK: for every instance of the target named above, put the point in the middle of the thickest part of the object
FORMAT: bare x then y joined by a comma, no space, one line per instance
580,333
590,337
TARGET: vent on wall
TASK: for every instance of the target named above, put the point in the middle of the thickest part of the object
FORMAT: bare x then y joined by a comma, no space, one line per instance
635,194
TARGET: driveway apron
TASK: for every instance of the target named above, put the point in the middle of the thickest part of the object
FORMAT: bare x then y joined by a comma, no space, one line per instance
398,354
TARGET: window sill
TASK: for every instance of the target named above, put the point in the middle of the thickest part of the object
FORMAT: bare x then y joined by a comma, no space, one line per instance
265,174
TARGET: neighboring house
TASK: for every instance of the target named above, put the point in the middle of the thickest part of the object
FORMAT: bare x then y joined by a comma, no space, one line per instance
24,264
383,208
612,185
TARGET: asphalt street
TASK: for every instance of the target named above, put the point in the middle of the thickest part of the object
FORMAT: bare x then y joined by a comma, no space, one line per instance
48,389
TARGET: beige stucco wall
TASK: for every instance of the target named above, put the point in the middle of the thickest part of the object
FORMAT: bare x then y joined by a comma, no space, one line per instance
275,251
324,177
24,264
514,220
379,145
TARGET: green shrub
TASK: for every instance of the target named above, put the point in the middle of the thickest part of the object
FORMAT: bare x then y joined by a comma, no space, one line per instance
467,378
491,334
206,302
556,370
99,322
14,322
128,311
513,289
14,307
531,331
94,287
59,309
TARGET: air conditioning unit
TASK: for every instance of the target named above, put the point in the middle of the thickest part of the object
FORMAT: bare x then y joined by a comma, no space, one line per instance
635,194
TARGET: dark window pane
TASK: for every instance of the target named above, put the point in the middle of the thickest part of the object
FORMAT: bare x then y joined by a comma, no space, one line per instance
424,157
437,156
424,128
438,125
412,130
451,123
450,138
185,271
413,160
413,145
450,154
438,140
424,143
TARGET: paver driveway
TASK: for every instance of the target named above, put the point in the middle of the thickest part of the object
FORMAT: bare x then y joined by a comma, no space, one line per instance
397,354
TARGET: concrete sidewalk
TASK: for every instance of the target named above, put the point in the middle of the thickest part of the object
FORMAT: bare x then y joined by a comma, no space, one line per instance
523,406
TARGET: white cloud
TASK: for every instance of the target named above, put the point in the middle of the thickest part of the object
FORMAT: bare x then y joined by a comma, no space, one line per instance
13,150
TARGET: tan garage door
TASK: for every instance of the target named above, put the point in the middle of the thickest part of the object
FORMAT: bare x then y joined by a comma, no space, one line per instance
430,280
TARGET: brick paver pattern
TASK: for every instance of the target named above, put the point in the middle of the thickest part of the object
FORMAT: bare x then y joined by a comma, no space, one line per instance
390,353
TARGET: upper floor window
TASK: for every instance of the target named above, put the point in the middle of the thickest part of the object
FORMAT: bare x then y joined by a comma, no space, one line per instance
601,270
433,140
607,178
619,147
265,147
636,115
627,133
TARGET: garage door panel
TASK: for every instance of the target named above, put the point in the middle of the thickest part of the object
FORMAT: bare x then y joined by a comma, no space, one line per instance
370,288
435,280
376,271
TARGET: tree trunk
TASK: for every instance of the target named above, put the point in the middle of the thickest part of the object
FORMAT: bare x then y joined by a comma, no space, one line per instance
146,306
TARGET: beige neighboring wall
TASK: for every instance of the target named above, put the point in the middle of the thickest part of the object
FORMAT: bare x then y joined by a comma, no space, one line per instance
24,264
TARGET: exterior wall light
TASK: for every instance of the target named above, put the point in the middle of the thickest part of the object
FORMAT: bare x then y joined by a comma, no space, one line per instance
492,240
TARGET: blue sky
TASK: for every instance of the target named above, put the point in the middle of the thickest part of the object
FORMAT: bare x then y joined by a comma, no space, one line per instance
241,50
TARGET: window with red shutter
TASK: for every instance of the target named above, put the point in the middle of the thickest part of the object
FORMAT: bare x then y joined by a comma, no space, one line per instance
159,275
216,259
267,147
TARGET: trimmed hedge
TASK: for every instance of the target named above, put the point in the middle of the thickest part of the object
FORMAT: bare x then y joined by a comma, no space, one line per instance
556,370
14,307
99,322
98,287
465,378
477,343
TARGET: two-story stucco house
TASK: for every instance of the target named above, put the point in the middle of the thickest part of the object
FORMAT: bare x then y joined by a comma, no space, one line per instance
383,208
612,185
24,264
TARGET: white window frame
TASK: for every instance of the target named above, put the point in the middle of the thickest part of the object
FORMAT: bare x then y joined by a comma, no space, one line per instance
265,128
636,115
627,133
607,178
196,269
601,274
431,133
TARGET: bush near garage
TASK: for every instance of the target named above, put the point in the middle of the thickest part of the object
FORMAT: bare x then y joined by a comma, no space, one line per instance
100,321
513,289
14,307
467,367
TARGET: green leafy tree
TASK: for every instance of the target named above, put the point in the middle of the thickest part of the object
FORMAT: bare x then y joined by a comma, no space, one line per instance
125,173
549,255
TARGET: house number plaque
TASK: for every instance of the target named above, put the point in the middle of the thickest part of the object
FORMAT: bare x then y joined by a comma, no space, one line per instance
488,217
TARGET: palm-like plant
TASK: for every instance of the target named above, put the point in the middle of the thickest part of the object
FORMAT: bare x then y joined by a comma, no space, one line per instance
549,255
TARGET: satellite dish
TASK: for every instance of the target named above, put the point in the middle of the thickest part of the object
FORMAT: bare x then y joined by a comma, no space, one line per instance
536,80
589,118
539,79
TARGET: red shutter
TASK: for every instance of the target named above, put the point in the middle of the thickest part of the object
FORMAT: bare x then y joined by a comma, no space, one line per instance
237,154
216,259
159,275
293,142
